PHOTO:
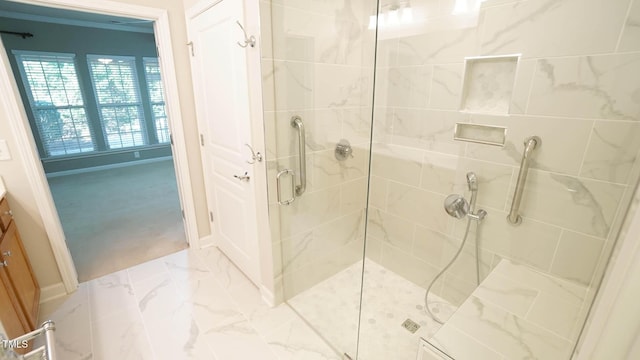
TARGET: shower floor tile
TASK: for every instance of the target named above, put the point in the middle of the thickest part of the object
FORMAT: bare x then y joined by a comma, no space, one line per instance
331,308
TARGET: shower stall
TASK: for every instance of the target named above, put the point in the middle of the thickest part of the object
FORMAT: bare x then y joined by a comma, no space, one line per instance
377,111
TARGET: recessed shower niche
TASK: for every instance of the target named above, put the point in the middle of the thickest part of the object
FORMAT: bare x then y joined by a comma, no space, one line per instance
488,84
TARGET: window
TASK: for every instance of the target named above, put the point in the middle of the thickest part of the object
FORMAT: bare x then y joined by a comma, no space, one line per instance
156,96
51,83
115,83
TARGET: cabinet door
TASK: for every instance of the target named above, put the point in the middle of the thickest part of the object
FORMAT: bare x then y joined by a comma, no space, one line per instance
11,316
20,274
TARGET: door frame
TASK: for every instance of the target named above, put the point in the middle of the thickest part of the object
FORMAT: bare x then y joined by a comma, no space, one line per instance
26,142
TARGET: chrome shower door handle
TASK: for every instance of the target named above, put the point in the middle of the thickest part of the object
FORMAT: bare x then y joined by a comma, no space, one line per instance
279,187
296,122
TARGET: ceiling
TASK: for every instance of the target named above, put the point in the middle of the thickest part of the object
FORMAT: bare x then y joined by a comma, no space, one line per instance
10,9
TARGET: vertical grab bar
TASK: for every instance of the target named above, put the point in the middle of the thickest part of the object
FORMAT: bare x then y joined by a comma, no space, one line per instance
296,122
530,144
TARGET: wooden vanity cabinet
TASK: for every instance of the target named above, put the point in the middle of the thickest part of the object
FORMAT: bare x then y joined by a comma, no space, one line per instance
19,290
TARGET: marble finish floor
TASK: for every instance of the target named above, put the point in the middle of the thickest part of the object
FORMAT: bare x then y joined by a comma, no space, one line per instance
194,304
331,307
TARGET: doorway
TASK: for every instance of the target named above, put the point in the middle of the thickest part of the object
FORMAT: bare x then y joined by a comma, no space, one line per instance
105,143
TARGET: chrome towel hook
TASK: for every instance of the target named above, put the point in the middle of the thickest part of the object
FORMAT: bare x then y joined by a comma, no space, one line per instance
248,40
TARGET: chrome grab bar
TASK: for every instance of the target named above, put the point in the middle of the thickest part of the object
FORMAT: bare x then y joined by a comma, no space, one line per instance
279,190
530,144
296,122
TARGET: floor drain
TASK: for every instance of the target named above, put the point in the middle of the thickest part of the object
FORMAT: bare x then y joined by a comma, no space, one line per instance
411,325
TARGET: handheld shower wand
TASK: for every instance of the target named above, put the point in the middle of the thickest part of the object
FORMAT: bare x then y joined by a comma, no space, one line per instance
457,206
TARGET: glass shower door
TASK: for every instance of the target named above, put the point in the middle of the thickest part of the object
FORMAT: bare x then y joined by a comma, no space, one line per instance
461,87
318,79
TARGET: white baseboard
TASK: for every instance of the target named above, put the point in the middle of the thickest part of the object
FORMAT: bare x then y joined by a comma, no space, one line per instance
52,292
108,167
267,296
206,241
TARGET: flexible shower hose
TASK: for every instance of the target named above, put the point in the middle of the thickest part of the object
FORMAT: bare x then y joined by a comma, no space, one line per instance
453,259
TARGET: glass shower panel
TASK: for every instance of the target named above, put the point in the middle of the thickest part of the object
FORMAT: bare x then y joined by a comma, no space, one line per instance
565,71
318,68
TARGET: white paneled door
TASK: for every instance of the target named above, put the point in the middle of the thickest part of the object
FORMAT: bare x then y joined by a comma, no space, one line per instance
219,68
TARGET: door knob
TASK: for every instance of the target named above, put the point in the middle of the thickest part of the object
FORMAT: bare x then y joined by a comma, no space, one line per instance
244,177
4,263
7,253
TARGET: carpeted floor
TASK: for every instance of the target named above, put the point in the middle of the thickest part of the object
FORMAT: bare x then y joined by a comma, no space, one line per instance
114,219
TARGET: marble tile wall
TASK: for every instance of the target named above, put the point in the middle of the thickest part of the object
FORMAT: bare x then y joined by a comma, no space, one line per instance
575,86
317,59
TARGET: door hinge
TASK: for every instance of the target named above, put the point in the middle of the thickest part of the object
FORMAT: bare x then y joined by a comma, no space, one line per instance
211,216
171,138
182,214
201,139
190,45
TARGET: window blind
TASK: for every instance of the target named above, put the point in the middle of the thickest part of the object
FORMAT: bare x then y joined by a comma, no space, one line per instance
156,96
115,84
55,97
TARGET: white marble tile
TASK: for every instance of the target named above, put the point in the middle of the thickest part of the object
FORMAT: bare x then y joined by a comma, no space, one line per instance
556,315
186,265
576,257
408,86
73,324
237,340
264,318
446,88
558,152
327,171
225,273
147,270
309,211
440,45
578,204
532,242
612,151
488,85
178,337
513,336
390,229
460,346
398,163
378,190
560,289
294,85
522,86
419,206
600,87
157,297
446,174
110,294
427,129
433,247
526,27
513,296
354,196
342,86
630,40
121,336
296,340
409,267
